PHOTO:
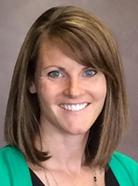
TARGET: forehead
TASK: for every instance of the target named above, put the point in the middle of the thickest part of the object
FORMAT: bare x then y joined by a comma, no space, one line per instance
53,46
56,54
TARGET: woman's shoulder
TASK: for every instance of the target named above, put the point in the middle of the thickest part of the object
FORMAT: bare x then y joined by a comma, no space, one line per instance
125,168
7,148
11,152
124,160
13,167
11,156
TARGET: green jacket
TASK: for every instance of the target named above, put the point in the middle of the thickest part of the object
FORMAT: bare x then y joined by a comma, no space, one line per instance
15,172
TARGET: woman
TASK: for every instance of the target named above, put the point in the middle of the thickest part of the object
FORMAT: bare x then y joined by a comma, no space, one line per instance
67,106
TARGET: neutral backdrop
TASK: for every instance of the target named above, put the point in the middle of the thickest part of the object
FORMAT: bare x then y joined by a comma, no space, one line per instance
120,15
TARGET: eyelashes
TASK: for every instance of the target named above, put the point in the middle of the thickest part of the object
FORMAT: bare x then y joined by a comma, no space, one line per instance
58,74
55,74
89,72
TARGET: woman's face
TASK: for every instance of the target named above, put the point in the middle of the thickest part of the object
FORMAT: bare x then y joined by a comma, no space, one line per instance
71,95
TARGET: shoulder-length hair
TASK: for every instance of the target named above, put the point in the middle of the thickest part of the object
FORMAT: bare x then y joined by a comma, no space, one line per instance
90,43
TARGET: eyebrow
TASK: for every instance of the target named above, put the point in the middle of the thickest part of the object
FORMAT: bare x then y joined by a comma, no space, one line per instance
63,69
51,66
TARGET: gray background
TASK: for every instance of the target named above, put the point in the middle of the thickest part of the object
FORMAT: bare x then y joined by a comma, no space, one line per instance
120,15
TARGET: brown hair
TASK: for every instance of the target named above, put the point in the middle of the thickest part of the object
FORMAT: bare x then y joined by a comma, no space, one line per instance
91,44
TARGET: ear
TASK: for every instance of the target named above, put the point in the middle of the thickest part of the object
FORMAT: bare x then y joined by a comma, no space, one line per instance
32,88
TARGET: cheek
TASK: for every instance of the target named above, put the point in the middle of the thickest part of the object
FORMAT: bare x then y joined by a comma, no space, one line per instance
99,90
47,92
43,91
102,92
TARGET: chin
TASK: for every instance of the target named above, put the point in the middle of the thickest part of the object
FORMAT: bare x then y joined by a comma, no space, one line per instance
78,131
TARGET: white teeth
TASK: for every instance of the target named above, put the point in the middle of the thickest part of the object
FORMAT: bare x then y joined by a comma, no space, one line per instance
74,107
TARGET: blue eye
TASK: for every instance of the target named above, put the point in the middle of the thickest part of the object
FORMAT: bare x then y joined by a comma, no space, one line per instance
89,72
55,74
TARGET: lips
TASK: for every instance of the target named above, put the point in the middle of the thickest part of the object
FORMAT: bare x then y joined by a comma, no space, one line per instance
74,107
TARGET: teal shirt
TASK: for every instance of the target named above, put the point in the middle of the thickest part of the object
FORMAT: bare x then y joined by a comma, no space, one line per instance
14,170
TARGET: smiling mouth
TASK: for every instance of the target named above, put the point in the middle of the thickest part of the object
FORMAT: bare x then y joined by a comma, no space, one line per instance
74,107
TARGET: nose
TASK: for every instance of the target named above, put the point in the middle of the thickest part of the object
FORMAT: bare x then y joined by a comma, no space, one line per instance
74,88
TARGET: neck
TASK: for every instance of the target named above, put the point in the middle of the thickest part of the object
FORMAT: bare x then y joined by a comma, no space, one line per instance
67,151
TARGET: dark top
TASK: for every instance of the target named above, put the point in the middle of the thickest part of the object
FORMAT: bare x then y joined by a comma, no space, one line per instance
109,179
